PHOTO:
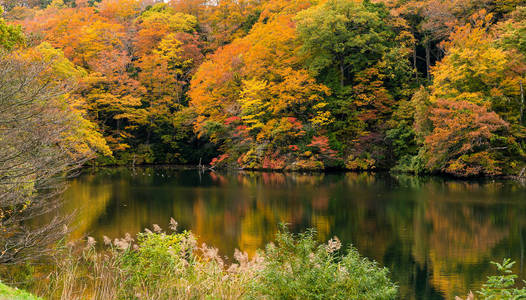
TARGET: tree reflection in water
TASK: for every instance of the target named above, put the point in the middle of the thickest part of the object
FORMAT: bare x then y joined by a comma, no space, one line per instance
437,236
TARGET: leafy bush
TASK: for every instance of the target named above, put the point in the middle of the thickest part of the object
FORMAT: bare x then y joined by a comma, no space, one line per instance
299,267
153,261
502,286
159,265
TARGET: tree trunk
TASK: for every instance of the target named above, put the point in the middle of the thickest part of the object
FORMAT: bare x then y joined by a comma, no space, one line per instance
148,134
522,250
414,63
342,75
428,60
522,102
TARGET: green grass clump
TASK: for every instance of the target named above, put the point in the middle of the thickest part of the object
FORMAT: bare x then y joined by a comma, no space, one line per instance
8,293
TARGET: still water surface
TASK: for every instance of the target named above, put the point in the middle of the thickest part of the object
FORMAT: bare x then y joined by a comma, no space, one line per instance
437,236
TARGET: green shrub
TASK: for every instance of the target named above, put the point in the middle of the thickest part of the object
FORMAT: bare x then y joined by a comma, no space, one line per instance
155,259
500,287
160,265
299,267
163,265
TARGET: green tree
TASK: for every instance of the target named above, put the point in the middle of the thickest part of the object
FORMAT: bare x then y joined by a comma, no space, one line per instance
359,50
10,35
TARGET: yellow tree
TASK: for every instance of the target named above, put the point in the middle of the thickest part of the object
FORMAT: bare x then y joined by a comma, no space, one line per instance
253,98
156,23
98,44
168,51
83,138
476,126
231,19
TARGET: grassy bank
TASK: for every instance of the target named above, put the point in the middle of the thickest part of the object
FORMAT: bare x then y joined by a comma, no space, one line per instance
160,265
8,293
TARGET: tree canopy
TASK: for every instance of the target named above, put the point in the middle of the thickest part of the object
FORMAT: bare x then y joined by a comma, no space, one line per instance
420,86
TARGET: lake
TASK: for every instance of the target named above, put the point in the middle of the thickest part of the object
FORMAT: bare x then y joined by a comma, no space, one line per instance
436,235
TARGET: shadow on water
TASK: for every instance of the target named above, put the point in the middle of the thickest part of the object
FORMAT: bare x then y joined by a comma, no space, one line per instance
437,236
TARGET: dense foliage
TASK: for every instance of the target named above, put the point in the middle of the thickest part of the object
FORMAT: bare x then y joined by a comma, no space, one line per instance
298,267
159,265
418,86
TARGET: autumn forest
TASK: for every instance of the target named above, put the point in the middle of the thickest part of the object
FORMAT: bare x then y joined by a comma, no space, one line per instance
421,86
194,111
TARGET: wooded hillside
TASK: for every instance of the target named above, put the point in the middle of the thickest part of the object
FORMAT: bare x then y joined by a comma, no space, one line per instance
424,86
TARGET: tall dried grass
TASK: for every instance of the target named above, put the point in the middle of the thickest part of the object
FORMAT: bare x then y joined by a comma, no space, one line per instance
160,265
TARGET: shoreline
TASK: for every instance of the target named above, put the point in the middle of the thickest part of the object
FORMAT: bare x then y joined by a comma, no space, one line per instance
326,171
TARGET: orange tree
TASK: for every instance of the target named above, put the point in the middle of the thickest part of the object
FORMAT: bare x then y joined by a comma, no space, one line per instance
255,100
475,108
